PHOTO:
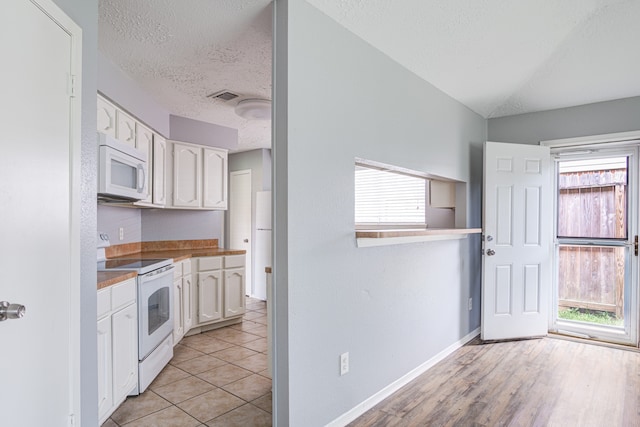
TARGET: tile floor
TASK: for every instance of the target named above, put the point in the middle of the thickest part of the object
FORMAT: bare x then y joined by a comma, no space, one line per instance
217,379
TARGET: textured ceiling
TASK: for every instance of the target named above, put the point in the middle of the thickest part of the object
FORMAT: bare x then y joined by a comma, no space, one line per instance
180,52
506,57
498,57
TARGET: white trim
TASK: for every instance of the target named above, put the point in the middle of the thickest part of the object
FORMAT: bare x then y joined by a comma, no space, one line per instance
592,139
372,401
75,33
366,242
619,147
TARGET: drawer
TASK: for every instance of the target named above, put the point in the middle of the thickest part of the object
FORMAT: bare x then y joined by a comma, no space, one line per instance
186,267
234,261
104,302
123,294
209,263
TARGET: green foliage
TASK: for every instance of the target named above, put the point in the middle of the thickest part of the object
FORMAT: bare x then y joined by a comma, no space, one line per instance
590,316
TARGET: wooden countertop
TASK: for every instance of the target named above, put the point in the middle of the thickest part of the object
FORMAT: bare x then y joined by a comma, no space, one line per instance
381,234
108,278
175,250
182,254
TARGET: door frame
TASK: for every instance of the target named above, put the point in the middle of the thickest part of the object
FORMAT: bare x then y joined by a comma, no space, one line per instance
249,255
73,289
605,142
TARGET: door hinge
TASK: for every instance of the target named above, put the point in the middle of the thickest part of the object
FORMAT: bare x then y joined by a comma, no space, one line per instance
635,246
72,86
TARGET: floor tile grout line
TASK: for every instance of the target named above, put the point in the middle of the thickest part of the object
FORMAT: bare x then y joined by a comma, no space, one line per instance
237,331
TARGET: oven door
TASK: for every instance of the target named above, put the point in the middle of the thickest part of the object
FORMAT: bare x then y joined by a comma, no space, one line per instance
155,309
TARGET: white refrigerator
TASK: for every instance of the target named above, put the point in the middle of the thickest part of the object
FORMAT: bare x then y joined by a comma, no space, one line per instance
262,247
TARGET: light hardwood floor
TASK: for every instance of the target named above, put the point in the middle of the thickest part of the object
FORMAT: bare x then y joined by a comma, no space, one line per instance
542,382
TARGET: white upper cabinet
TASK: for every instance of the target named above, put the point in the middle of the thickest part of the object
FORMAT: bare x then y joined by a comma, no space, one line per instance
144,143
106,117
180,175
187,175
199,176
214,180
125,128
159,189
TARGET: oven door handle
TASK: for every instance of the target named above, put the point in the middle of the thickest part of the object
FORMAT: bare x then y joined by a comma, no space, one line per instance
153,275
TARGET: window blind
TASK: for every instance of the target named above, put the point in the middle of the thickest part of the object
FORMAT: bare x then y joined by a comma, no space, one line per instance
384,197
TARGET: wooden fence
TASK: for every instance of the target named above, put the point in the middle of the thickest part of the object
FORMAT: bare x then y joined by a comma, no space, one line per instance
592,204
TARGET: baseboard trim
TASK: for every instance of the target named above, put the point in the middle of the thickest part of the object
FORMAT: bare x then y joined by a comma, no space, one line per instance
372,401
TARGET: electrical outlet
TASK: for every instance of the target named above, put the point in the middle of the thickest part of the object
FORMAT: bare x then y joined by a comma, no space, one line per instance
121,235
470,304
344,363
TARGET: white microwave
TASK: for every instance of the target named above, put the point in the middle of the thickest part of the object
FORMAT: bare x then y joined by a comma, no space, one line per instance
122,171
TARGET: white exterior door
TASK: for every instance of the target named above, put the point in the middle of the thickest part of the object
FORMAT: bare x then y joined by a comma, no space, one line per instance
240,219
39,222
517,261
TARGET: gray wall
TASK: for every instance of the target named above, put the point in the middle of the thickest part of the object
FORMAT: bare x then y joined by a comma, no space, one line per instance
121,89
85,14
111,218
197,132
621,115
171,224
393,307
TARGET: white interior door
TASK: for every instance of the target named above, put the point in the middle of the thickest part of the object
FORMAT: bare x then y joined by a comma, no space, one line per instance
517,261
240,220
39,189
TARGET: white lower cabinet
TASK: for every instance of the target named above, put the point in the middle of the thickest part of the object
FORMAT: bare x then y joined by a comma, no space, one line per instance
182,301
209,296
117,345
220,288
105,370
124,333
234,285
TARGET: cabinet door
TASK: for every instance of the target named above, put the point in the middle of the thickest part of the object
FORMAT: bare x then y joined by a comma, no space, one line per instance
214,180
106,117
187,171
144,143
124,324
234,292
209,296
178,304
105,372
125,128
187,304
159,189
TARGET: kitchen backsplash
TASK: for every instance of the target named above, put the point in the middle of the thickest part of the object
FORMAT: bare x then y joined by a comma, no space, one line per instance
142,225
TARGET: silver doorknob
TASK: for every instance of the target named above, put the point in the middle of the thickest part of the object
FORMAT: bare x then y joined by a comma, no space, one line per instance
491,252
11,311
246,240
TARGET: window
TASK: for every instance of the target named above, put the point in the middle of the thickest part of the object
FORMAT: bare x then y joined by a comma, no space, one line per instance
388,197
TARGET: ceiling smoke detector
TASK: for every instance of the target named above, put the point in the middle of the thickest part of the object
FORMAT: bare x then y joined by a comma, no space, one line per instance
223,95
254,109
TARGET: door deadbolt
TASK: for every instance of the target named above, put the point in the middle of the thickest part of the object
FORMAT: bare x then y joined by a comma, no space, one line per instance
11,311
489,238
